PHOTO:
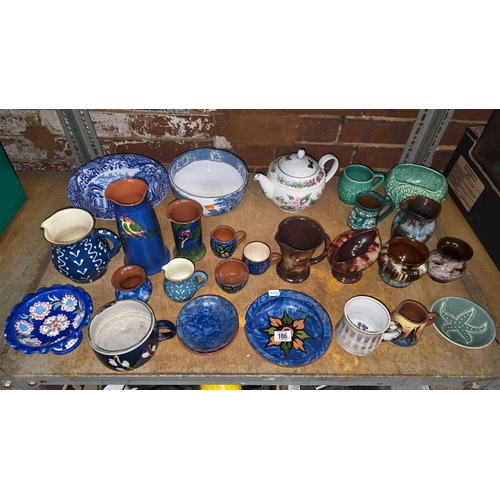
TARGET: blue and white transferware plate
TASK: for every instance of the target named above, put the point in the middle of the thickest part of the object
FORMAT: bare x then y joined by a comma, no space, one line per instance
87,185
293,315
207,324
50,320
463,322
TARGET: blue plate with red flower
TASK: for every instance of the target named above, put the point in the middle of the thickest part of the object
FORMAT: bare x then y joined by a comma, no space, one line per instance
50,320
288,328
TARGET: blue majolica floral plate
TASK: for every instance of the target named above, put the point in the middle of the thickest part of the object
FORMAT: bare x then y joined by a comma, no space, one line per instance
50,320
305,320
207,324
463,322
87,185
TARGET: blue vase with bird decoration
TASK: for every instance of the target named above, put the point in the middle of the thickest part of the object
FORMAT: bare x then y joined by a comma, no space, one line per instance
137,224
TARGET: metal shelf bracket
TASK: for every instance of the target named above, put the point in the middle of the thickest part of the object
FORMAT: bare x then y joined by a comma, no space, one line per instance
80,132
427,131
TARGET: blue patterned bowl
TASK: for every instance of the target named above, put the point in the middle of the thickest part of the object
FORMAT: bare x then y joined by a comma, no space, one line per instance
207,324
50,320
215,178
87,185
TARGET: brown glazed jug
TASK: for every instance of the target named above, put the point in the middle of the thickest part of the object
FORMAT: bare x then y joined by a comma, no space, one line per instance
411,318
298,239
402,261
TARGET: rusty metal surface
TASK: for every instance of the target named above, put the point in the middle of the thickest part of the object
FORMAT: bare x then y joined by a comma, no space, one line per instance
433,360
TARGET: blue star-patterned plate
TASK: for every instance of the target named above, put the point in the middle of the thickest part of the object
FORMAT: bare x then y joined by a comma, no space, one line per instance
463,322
207,324
281,314
50,320
87,185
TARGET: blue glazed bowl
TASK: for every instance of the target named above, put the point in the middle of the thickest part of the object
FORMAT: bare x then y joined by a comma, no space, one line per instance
215,178
207,324
50,320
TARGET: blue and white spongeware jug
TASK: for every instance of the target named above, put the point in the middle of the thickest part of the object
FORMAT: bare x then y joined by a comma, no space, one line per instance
137,224
79,251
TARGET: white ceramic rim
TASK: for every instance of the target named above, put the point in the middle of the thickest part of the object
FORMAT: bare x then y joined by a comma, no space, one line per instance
256,246
105,310
174,264
375,302
69,216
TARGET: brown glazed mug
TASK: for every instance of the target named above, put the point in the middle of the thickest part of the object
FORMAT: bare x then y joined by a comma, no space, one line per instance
402,261
298,238
411,318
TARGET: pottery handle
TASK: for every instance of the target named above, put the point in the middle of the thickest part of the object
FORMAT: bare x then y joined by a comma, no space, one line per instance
240,236
432,318
203,276
164,324
321,257
389,204
334,167
274,258
380,176
106,233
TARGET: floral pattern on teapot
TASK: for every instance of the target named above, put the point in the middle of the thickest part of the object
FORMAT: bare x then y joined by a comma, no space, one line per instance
295,181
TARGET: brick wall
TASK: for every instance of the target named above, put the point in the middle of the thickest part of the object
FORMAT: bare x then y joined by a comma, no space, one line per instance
34,139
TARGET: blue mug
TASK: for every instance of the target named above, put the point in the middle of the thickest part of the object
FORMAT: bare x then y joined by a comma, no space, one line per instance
224,240
181,281
258,257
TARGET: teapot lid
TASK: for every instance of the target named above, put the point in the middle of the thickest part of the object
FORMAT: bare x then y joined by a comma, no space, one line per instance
298,164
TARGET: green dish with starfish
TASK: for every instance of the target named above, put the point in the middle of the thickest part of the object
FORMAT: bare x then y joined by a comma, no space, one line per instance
464,323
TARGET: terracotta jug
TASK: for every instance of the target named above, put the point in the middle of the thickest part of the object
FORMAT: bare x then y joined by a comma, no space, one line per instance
137,224
411,318
299,238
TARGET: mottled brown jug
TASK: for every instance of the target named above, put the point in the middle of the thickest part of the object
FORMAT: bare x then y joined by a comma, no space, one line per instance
411,317
298,239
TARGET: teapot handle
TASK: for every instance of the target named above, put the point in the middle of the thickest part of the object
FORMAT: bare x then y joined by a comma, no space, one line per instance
334,168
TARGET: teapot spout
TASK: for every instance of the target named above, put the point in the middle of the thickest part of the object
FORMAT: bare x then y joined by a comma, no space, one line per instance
265,184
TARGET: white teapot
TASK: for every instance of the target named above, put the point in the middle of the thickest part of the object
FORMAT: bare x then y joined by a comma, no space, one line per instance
295,181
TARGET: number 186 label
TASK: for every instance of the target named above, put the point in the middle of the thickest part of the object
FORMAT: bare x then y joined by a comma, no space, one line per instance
283,335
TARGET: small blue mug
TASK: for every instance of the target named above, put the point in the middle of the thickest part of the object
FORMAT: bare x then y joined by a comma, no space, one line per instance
224,240
181,281
258,257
